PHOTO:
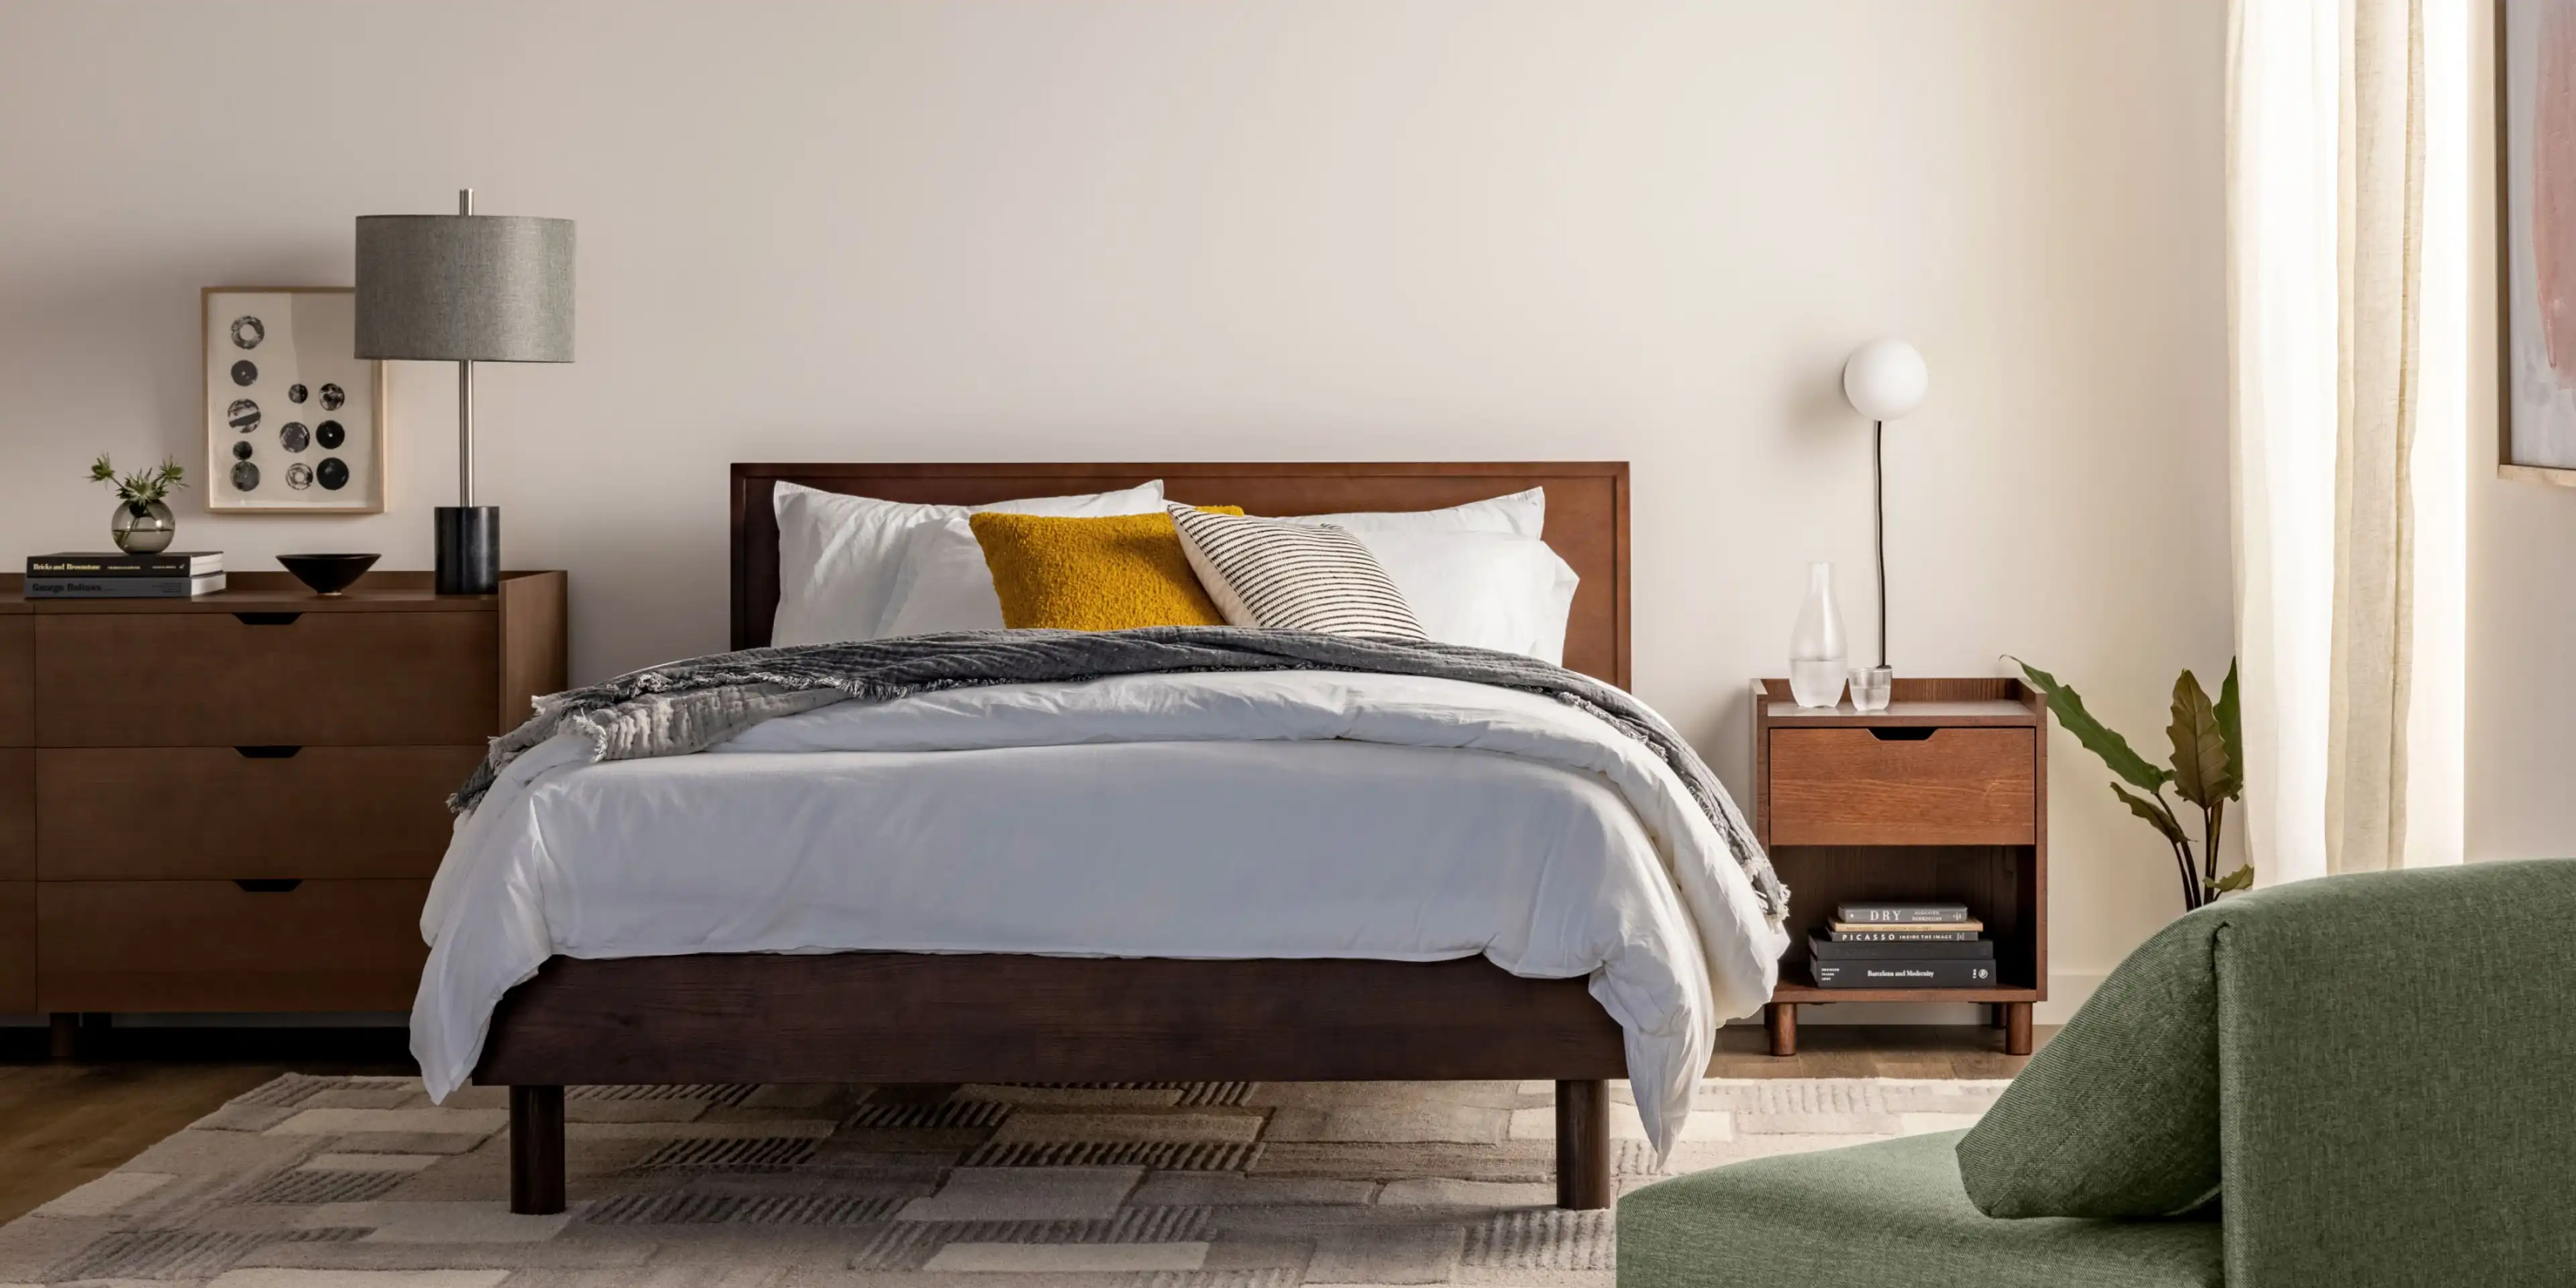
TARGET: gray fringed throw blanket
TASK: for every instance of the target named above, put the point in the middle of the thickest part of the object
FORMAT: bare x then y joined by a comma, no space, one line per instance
683,707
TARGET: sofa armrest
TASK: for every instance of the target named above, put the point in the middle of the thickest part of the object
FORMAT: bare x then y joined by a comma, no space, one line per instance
2397,1077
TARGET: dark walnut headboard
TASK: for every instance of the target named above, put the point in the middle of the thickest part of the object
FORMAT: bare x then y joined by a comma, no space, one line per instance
1587,517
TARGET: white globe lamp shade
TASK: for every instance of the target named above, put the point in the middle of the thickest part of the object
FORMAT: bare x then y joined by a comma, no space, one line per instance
1886,380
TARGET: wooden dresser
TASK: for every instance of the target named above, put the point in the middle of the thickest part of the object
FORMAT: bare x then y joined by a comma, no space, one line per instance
236,802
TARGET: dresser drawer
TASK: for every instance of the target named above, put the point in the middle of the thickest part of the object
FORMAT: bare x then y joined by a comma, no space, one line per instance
17,680
17,814
211,946
157,813
200,679
17,947
1959,786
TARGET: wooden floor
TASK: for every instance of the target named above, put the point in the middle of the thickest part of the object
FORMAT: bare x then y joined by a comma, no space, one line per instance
63,1124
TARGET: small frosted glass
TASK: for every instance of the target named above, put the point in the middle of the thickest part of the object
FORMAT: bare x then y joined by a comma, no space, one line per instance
1871,687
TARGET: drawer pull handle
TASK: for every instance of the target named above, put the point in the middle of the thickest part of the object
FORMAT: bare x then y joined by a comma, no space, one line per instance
267,619
1914,733
268,751
267,885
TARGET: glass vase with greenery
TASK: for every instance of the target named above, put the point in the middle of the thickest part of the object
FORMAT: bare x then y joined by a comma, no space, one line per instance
142,524
2208,771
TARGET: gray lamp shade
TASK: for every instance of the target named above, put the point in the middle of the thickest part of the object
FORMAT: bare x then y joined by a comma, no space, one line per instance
469,288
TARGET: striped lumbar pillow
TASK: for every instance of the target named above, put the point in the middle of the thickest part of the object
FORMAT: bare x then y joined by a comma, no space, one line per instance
1293,576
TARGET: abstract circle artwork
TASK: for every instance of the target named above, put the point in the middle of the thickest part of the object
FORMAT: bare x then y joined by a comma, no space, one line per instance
292,419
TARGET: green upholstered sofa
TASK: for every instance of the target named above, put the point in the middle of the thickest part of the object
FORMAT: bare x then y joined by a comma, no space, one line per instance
2379,1071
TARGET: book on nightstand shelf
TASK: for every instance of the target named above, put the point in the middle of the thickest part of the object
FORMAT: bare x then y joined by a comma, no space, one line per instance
1900,914
1953,973
1922,930
1902,945
1824,948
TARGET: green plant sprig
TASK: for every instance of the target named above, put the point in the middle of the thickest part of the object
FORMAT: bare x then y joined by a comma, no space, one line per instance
2208,771
143,487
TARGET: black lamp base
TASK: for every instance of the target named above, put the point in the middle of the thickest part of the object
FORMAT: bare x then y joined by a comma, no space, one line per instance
469,549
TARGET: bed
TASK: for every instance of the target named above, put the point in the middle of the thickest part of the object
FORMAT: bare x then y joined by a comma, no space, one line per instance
1002,1016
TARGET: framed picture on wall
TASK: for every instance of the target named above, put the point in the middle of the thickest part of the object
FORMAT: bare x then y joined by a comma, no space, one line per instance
295,424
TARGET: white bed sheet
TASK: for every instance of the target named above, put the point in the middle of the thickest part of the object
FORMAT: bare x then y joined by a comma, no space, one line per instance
1276,814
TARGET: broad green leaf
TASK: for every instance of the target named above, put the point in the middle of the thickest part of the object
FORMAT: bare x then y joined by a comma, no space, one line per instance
2154,811
2098,738
2231,730
2240,879
2200,758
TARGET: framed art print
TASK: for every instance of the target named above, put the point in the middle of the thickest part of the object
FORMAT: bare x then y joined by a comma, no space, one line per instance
295,423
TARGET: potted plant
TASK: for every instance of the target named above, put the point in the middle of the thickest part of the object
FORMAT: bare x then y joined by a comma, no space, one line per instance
143,524
2208,770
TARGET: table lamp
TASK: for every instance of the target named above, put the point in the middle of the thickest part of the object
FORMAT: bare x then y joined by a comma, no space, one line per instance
1885,380
465,288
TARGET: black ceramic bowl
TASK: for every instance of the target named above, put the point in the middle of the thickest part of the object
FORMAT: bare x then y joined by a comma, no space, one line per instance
328,574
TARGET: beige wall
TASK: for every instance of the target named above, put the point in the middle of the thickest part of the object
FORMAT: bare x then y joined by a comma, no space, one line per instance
1436,229
2520,800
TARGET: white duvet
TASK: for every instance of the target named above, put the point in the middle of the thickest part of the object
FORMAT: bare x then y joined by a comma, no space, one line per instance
1238,815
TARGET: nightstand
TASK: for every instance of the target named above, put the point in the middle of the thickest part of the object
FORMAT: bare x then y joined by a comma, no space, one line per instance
1941,797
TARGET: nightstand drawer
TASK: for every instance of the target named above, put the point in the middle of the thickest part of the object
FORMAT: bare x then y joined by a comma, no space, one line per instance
212,946
158,813
1959,786
200,679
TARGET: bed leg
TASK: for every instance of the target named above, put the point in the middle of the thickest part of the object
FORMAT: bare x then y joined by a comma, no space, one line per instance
536,1150
1583,1145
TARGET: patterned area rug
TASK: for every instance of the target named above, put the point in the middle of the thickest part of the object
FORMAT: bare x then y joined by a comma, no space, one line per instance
312,1182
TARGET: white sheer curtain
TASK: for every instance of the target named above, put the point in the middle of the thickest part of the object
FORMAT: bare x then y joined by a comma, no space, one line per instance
2347,193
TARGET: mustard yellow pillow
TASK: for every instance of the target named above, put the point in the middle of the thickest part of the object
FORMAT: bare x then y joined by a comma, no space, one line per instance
1105,574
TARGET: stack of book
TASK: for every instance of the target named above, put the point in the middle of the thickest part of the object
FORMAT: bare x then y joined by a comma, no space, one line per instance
174,574
1903,945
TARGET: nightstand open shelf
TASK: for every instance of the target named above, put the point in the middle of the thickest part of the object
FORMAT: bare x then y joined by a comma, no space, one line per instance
1943,796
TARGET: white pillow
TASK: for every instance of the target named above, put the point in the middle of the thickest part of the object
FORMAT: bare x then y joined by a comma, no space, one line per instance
1489,589
838,555
1524,513
944,584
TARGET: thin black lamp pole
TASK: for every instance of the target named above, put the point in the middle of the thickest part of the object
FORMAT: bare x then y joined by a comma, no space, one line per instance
1878,521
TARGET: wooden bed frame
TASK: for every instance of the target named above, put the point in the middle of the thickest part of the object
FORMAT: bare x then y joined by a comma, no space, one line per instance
932,1018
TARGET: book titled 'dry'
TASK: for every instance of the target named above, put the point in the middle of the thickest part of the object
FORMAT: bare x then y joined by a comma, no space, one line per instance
1899,914
1953,973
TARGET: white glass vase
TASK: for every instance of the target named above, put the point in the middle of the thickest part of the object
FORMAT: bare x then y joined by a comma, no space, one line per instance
1816,646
